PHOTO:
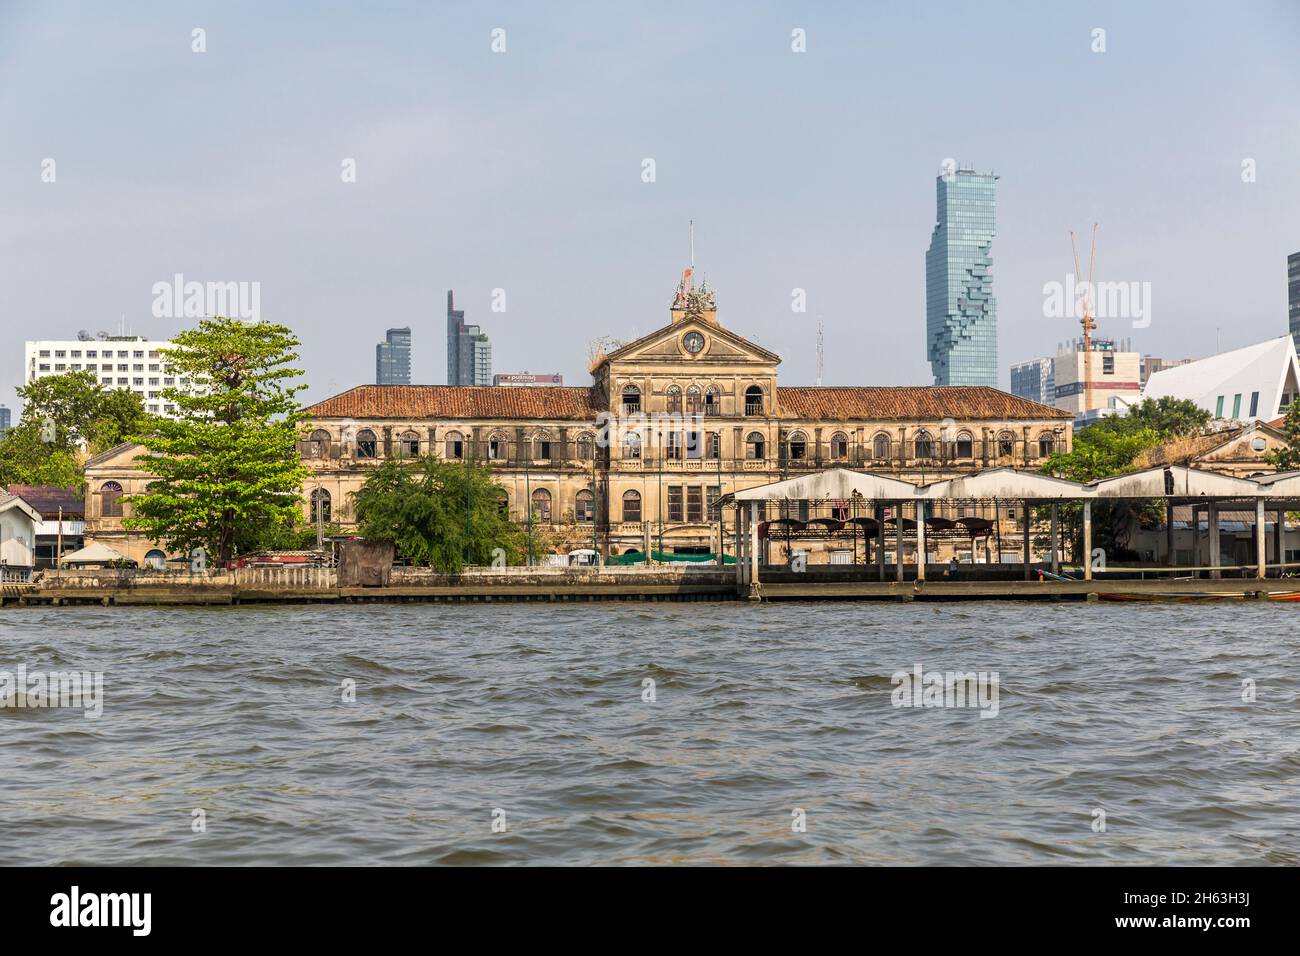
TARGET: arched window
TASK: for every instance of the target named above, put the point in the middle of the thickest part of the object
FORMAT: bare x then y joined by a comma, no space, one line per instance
1006,444
543,446
674,399
455,445
367,447
839,446
542,505
880,446
320,506
712,401
408,445
753,400
755,448
965,445
798,445
1046,444
631,399
586,447
694,400
110,500
631,506
583,506
924,445
320,444
632,445
498,448
713,446
155,560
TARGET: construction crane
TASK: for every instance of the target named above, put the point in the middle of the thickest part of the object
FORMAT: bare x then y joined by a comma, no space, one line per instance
821,353
1087,321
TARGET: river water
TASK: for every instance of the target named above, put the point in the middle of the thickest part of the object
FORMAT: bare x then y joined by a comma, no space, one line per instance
524,733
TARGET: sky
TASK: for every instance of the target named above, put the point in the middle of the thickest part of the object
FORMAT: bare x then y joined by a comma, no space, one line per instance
523,170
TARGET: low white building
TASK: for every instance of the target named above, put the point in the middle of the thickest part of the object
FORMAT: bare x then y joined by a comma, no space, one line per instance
1255,382
18,521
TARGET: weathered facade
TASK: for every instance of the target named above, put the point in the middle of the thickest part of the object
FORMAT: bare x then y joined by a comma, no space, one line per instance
671,422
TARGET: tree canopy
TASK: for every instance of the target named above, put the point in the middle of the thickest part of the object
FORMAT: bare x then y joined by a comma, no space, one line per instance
438,513
228,463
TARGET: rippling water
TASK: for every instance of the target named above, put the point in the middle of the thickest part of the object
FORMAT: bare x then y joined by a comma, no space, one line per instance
537,711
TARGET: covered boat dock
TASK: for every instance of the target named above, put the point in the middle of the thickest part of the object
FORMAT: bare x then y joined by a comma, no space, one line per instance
857,502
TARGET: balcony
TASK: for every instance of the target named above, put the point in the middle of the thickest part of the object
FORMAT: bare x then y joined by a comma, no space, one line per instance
753,409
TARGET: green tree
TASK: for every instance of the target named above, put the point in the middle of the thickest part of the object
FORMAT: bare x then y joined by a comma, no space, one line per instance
437,513
1168,417
1288,458
228,463
73,410
26,459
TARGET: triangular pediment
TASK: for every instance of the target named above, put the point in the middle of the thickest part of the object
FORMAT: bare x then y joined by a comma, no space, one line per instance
667,345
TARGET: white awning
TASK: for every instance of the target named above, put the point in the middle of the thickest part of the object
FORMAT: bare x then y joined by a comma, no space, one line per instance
96,553
1187,483
1010,483
835,483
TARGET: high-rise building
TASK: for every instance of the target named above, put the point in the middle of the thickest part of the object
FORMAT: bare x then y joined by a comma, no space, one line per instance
1116,376
1035,380
961,315
1293,295
1152,364
129,362
5,420
393,358
469,351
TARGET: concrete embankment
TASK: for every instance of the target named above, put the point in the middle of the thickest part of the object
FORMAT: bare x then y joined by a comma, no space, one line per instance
673,583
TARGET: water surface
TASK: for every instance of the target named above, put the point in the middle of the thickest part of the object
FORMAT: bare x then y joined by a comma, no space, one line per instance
537,711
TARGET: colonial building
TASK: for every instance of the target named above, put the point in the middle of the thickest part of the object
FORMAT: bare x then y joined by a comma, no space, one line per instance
670,422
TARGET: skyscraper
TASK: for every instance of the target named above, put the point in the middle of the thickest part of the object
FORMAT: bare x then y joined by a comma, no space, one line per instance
961,315
1293,295
393,358
1035,380
469,351
4,420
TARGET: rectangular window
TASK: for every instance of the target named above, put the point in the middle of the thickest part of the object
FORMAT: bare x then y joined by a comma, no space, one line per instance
1108,365
1236,405
1254,404
674,502
694,503
711,496
1218,407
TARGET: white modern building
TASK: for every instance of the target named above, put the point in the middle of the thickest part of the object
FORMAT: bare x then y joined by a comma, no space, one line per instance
129,362
1255,382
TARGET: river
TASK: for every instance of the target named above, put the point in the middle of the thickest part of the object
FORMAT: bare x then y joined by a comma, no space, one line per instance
654,733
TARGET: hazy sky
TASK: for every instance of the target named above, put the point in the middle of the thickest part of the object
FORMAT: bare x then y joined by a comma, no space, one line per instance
522,170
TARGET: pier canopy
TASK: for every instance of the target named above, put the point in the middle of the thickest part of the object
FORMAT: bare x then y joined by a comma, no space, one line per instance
1006,483
1177,481
832,484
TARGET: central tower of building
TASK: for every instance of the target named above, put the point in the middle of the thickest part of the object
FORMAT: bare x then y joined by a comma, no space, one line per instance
961,315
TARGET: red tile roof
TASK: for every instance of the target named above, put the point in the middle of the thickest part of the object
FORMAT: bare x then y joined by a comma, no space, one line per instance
460,402
909,403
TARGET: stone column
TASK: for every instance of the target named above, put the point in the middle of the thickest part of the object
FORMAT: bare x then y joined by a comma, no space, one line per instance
1261,541
1214,540
920,540
1056,527
1029,573
880,539
1170,549
898,540
753,544
1087,540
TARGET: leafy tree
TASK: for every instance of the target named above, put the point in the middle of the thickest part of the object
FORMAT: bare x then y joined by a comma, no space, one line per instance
228,463
26,459
1288,458
1168,417
437,513
75,409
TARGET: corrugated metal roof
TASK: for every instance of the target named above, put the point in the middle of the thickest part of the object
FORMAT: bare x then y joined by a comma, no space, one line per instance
459,402
909,403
